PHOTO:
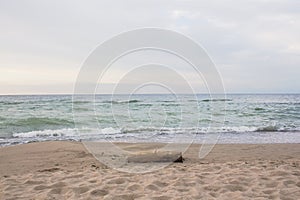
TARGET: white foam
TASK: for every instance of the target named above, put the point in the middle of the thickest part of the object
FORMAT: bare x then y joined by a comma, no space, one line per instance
110,131
68,132
43,133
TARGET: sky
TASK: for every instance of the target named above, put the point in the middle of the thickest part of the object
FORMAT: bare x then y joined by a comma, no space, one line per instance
254,44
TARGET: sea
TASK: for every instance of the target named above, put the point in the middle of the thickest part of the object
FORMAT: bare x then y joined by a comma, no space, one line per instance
230,118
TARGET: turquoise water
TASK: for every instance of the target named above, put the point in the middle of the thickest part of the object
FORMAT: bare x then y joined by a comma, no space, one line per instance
154,118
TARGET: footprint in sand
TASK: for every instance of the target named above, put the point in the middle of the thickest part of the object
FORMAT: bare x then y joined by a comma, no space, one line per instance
160,184
55,191
152,187
80,190
117,181
289,183
40,187
235,188
32,182
99,192
134,187
162,198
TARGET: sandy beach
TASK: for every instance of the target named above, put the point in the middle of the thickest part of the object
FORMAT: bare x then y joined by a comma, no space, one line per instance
66,170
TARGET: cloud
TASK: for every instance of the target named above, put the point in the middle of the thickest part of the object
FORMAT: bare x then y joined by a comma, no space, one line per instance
254,43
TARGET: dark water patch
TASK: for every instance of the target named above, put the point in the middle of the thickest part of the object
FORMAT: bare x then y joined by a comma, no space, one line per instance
205,120
247,114
35,121
167,101
141,129
145,104
192,100
268,129
171,113
285,103
2,119
215,100
11,103
171,104
259,109
12,126
131,101
82,109
81,102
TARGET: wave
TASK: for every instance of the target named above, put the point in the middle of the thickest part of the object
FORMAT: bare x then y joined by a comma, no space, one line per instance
122,101
82,109
38,100
81,102
238,129
259,109
269,129
167,101
145,104
11,103
173,104
215,100
2,118
141,129
43,133
35,121
68,132
109,132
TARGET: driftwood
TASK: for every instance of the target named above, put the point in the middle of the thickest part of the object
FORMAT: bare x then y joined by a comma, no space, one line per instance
156,157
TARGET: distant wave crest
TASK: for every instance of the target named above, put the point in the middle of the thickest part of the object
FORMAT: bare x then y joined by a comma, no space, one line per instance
215,100
33,121
122,101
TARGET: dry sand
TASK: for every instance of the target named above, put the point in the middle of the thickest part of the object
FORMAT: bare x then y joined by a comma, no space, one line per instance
65,170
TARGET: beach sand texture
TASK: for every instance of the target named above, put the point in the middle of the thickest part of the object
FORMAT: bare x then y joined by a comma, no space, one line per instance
66,170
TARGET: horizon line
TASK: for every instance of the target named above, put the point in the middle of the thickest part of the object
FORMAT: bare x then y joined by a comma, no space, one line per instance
227,93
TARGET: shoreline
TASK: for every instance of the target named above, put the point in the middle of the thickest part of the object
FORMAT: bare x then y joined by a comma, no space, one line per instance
258,137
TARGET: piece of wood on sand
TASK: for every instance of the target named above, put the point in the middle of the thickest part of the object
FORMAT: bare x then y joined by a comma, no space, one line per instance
156,157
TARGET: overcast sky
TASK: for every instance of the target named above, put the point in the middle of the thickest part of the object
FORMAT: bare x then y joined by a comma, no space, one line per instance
254,44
